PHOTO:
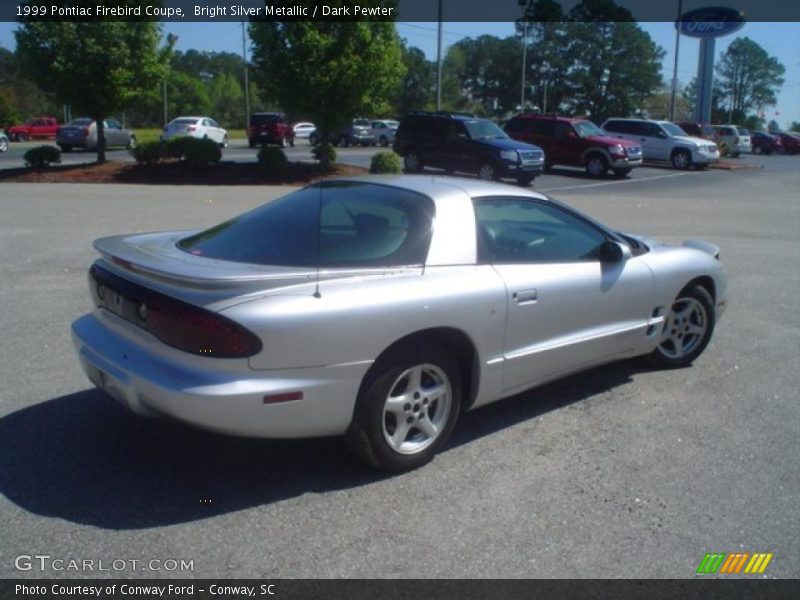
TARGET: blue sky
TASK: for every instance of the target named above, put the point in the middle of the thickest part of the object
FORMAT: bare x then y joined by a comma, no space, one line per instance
781,40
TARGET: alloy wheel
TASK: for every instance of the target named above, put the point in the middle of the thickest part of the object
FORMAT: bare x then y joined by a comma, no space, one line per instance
487,172
684,328
417,408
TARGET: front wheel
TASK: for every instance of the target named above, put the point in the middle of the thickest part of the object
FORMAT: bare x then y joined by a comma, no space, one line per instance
487,172
596,165
688,326
407,408
681,159
412,163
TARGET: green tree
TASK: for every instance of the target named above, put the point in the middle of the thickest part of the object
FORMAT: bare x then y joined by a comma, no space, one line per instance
718,112
615,66
749,78
331,71
227,100
98,67
490,72
794,126
417,86
773,126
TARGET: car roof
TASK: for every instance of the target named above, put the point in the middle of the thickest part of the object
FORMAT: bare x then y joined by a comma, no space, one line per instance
436,185
540,117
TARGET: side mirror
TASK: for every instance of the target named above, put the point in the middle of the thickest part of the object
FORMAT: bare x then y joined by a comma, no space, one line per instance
613,252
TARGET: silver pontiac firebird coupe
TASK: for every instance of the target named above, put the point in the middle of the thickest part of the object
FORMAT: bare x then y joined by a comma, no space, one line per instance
379,308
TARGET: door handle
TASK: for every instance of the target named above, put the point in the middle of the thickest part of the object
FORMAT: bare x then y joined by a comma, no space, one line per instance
526,296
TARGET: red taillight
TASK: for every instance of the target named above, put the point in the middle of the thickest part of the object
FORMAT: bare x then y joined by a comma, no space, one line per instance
85,131
176,323
285,397
191,128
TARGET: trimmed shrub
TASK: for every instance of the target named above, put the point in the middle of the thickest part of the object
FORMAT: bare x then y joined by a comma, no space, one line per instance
272,159
42,156
316,152
149,152
195,152
386,162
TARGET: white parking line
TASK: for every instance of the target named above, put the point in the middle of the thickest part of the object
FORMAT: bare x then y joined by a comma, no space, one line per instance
589,185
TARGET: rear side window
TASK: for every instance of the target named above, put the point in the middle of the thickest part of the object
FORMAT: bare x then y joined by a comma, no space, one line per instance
620,126
360,224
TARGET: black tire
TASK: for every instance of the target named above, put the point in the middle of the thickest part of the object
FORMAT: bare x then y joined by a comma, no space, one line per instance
22,137
622,172
681,159
781,150
525,180
696,302
342,141
372,422
412,162
488,171
596,165
224,143
312,139
384,141
758,149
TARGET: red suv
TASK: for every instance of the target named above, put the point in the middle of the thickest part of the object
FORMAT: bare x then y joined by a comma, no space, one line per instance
36,128
576,142
270,128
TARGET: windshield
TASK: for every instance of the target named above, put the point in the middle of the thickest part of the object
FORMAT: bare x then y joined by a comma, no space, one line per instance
587,129
742,131
484,130
362,123
361,224
672,129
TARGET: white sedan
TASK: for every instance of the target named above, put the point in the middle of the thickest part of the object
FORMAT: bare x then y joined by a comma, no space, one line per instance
198,127
304,129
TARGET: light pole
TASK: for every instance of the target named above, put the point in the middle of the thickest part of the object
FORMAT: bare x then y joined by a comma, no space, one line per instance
246,80
439,61
524,61
675,63
544,71
165,102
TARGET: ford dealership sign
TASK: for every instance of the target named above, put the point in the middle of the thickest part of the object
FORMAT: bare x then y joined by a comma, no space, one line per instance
710,22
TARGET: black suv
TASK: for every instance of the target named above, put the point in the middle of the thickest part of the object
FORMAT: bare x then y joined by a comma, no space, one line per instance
460,142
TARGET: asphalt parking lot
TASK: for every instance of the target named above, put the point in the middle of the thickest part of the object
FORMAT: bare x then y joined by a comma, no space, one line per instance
619,472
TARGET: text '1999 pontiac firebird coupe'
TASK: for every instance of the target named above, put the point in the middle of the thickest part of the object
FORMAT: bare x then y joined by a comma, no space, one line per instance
379,308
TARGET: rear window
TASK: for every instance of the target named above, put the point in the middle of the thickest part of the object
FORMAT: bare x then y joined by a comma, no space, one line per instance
742,131
184,122
80,122
260,119
361,224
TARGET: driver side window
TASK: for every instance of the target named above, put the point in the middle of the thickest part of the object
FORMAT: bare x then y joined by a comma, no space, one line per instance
518,230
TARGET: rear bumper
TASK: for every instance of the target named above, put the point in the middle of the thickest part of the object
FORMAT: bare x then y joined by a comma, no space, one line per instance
226,400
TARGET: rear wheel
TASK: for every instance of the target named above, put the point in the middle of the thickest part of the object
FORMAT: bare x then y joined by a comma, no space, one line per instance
407,408
596,165
688,326
22,137
758,149
412,162
681,159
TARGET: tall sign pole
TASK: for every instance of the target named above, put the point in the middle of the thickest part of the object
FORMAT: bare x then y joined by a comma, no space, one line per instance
439,61
675,65
707,24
